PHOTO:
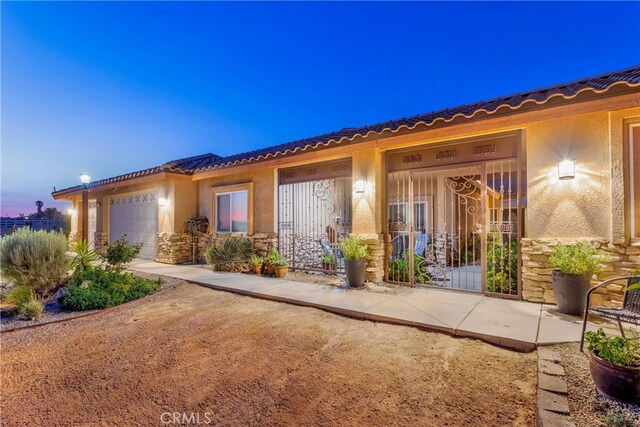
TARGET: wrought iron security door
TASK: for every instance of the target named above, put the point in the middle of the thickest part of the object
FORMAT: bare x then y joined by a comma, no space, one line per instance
314,212
456,227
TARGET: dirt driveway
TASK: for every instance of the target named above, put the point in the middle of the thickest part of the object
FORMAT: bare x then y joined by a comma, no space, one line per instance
235,360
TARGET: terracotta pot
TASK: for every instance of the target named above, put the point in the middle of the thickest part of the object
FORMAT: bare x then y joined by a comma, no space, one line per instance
281,270
354,268
269,269
570,291
257,269
615,382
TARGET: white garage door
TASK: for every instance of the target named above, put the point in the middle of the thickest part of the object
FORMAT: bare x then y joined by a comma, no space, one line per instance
136,216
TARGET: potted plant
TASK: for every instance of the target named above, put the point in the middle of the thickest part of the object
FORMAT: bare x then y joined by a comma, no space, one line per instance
574,266
270,263
354,252
281,266
328,261
257,262
614,363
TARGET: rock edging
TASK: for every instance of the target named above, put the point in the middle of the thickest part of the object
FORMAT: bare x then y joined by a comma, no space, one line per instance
553,406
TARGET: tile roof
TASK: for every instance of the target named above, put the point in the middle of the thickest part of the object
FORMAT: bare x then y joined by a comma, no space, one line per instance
598,84
181,166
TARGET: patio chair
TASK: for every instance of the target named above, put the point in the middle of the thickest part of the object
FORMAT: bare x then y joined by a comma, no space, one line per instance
628,313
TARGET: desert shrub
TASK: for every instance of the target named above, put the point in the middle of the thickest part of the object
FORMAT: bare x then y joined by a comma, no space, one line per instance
230,254
580,258
36,259
20,295
119,254
353,248
618,419
31,309
616,350
84,257
106,288
502,265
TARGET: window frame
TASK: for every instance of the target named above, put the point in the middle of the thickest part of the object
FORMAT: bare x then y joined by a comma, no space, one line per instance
247,188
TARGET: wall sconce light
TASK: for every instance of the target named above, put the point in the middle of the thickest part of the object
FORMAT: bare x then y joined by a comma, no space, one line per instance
360,186
567,169
71,211
162,202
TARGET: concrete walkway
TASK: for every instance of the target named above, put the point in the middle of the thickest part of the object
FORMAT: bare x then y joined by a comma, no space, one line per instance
514,324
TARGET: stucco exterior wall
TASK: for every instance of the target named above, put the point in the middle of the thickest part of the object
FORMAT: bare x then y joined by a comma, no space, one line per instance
264,197
571,208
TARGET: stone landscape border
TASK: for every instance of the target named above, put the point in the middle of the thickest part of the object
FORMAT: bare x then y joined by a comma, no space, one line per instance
553,406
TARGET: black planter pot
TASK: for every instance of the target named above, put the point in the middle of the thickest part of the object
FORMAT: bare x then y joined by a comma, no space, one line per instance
570,291
615,382
355,272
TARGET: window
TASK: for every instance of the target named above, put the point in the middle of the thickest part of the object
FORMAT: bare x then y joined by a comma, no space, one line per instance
399,214
232,212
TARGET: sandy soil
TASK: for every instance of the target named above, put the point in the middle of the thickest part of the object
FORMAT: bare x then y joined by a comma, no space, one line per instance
236,360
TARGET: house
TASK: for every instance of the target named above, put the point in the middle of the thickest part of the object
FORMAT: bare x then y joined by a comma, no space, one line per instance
467,198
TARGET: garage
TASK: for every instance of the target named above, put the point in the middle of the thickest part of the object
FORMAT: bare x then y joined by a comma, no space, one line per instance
136,216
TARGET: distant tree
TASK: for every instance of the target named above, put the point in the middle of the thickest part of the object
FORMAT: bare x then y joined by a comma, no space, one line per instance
39,205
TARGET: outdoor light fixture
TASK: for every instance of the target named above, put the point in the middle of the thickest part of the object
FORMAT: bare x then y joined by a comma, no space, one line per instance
85,178
162,202
567,169
360,185
71,211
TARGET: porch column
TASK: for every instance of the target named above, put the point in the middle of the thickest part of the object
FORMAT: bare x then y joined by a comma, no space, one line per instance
367,214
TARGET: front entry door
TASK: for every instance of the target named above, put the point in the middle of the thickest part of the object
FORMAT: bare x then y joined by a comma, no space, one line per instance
455,228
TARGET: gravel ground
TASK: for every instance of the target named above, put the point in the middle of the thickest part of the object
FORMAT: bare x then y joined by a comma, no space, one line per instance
250,362
588,407
327,279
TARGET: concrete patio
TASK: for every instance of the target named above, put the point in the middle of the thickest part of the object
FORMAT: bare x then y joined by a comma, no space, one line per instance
514,324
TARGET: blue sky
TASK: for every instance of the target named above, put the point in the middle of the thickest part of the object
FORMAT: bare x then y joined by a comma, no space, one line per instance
110,88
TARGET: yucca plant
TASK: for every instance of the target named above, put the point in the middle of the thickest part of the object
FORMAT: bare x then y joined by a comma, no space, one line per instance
84,258
231,254
35,259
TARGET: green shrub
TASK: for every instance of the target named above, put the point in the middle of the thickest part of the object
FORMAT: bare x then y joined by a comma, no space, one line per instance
399,269
616,350
353,248
31,309
230,254
84,258
580,258
117,255
257,260
618,419
502,265
20,295
106,288
36,259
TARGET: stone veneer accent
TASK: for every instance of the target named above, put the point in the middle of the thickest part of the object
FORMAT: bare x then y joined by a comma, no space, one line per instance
536,273
262,243
173,248
73,239
100,238
374,269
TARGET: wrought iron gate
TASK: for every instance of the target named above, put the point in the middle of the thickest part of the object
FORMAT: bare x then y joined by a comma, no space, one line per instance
456,227
314,212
